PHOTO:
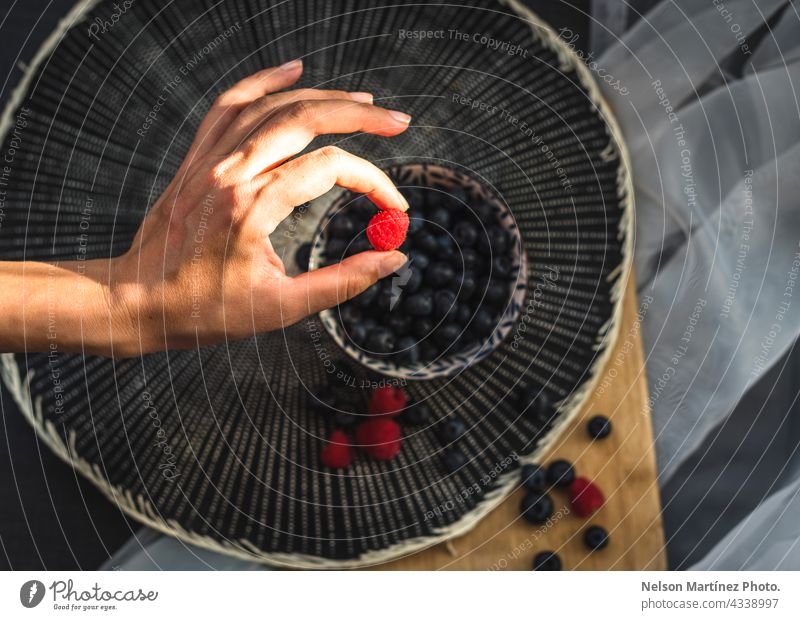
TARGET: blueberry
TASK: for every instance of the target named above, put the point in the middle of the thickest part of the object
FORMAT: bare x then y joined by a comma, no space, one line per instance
455,310
368,297
386,294
418,260
484,212
443,303
399,323
466,344
458,196
595,537
426,242
454,460
465,285
496,292
358,245
361,208
451,429
431,197
349,314
533,477
415,221
418,414
560,473
439,217
535,403
408,351
370,323
323,400
302,256
413,196
358,333
546,560
343,419
599,427
462,315
502,267
420,304
422,327
334,249
466,234
494,241
447,250
429,350
470,259
447,335
414,281
536,507
380,340
342,226
482,322
440,274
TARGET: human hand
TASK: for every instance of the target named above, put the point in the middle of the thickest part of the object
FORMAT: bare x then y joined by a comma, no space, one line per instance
201,268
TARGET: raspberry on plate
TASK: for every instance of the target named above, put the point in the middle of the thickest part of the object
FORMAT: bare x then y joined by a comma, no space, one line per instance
379,438
336,454
387,401
387,229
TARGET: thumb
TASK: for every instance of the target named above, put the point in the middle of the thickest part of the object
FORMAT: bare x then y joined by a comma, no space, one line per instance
324,288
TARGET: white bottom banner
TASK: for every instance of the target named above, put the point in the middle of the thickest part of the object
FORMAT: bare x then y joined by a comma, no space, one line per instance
390,595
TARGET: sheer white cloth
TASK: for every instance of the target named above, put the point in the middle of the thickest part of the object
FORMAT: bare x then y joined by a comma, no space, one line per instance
715,150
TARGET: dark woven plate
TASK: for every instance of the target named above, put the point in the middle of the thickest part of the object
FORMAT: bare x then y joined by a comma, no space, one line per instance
237,469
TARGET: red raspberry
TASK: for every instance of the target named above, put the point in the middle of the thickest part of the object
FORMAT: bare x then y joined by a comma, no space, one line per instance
337,453
388,401
387,229
585,497
380,438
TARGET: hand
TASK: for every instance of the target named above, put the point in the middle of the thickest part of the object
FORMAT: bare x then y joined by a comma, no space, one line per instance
201,268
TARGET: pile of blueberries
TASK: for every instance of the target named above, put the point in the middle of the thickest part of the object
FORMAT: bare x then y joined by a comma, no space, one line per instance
450,295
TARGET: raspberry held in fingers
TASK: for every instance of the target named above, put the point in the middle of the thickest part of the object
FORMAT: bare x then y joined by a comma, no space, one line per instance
387,229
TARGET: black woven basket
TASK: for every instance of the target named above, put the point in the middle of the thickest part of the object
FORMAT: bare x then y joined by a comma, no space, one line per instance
237,468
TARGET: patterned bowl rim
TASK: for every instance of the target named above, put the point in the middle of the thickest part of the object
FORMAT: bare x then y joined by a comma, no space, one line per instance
442,177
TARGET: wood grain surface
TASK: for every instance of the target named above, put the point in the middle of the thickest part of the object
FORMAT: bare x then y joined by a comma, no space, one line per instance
622,465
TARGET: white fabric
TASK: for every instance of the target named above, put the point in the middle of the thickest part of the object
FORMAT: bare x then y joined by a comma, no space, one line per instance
718,230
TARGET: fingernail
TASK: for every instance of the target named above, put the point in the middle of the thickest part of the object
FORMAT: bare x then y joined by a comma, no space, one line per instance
391,263
361,97
292,65
402,203
400,117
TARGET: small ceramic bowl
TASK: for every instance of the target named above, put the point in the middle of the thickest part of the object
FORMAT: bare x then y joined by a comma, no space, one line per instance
443,179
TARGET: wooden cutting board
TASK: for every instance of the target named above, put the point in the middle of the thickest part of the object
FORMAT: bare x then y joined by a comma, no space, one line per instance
623,466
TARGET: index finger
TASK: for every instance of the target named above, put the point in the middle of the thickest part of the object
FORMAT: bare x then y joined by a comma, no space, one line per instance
295,125
229,104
